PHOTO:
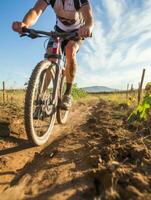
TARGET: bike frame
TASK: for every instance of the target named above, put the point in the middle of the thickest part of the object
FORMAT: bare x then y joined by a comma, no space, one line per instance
59,70
32,33
47,108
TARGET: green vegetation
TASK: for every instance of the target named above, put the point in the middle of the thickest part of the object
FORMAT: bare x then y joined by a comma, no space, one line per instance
141,113
78,92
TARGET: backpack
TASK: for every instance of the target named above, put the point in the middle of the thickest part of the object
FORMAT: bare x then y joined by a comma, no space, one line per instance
76,3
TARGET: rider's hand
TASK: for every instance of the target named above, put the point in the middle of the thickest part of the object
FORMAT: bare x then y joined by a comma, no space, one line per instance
17,26
85,31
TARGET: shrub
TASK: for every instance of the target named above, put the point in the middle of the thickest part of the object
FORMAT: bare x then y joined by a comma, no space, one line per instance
78,92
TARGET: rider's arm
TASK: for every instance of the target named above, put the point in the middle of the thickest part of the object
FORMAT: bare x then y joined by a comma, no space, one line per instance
87,15
31,17
86,10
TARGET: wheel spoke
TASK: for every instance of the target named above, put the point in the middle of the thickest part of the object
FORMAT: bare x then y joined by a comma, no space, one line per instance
39,109
43,91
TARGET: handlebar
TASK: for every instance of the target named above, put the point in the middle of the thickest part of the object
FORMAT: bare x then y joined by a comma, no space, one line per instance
32,33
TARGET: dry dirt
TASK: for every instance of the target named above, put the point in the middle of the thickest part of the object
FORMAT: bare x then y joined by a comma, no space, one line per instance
95,156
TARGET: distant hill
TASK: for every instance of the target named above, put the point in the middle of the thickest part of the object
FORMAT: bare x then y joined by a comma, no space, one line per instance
96,89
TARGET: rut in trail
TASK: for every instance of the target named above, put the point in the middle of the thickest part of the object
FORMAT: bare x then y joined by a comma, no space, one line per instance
96,157
16,155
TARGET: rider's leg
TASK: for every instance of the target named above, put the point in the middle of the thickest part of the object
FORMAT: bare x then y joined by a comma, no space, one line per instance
70,71
71,63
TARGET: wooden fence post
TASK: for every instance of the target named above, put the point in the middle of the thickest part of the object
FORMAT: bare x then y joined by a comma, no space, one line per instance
132,88
141,86
4,93
127,92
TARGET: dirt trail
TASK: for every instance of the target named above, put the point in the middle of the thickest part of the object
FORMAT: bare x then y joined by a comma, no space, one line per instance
16,152
94,156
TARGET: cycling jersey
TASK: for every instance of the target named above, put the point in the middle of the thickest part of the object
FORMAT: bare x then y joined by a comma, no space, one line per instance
68,13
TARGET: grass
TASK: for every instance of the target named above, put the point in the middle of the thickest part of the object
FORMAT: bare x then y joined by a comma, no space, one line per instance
119,98
13,97
17,97
115,97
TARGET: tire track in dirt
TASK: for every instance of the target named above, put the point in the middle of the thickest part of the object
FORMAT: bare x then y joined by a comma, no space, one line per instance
124,167
95,157
16,153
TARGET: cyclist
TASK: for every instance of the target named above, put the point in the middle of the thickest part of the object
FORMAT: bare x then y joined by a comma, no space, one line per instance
72,15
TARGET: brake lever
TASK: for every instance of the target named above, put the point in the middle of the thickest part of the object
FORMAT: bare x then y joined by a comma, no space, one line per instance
32,36
23,35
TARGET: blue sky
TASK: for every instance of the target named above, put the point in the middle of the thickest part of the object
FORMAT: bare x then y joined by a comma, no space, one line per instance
117,53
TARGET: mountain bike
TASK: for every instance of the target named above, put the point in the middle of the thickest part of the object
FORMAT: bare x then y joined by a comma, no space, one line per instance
45,89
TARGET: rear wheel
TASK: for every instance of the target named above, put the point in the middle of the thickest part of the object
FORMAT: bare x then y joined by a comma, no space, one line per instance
40,103
62,115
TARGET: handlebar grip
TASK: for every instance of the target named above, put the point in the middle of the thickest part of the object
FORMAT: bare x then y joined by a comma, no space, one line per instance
25,30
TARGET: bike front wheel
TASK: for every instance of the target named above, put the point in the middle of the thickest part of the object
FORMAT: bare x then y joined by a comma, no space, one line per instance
40,103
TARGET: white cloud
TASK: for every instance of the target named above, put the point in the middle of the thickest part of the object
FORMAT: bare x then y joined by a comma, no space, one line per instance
114,8
121,51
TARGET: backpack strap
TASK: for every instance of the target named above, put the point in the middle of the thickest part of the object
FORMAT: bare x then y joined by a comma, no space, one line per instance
77,4
50,2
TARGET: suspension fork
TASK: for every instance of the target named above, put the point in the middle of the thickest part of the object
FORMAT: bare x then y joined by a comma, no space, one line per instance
57,80
58,75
